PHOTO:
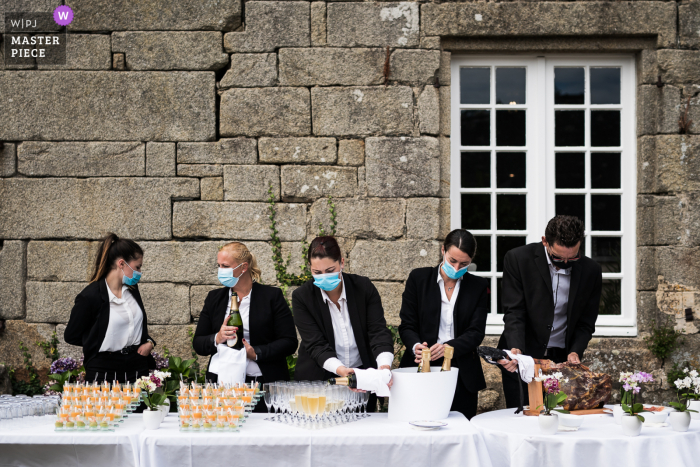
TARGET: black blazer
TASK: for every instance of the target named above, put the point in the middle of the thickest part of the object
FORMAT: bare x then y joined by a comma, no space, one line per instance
528,302
89,319
313,320
271,328
421,308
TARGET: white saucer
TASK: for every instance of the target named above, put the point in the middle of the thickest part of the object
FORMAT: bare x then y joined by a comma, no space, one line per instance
427,424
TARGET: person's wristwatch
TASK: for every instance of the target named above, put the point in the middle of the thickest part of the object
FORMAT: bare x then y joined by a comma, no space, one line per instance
151,341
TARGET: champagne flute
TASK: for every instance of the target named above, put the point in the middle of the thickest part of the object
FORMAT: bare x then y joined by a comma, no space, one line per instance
365,401
274,399
268,398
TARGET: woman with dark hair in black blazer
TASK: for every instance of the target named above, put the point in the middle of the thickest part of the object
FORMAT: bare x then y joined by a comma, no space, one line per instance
108,319
447,305
268,328
340,320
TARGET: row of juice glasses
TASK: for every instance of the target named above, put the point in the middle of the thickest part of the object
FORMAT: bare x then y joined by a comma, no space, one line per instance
95,407
215,407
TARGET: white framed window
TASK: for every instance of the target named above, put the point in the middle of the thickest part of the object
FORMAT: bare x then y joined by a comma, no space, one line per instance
533,137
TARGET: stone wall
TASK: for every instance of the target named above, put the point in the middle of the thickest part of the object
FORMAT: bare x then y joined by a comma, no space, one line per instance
169,125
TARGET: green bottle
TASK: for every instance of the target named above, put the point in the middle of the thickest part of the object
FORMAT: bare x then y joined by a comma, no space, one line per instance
234,319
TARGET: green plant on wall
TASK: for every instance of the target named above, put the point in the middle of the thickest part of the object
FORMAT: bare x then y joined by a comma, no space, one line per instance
662,341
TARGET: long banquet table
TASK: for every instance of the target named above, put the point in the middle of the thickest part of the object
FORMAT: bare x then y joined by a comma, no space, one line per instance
368,442
516,441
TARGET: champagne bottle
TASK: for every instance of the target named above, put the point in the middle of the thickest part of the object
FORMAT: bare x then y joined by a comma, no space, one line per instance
424,366
234,319
349,381
447,362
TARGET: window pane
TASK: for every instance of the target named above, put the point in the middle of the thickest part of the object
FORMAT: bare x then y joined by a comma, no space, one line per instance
475,85
482,258
510,128
510,170
610,298
605,127
568,85
476,169
503,246
569,127
499,287
570,170
606,251
510,212
605,212
510,85
476,212
605,85
605,170
571,205
476,128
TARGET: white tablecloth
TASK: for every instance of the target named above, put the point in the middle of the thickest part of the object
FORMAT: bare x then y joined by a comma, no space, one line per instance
516,440
373,441
39,445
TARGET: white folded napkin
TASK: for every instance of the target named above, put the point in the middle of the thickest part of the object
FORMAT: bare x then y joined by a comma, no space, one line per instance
231,365
568,428
374,380
526,365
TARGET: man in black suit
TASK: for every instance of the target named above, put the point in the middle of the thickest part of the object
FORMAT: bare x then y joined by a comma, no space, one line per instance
551,293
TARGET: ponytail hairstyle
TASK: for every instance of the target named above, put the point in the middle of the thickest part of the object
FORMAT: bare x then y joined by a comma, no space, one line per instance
241,253
111,250
462,239
324,247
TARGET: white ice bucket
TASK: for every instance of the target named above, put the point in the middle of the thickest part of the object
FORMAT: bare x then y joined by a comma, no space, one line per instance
421,396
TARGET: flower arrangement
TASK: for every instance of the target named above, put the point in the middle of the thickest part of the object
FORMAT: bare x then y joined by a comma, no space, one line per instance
161,360
64,370
553,395
151,387
630,388
691,385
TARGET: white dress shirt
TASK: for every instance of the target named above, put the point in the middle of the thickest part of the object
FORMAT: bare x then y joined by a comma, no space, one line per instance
561,281
252,368
125,321
348,355
446,331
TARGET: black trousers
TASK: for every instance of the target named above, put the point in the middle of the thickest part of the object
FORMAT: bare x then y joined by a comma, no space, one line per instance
114,366
512,379
465,401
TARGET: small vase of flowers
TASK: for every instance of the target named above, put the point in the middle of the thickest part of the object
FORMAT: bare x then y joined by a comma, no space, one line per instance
631,419
686,391
153,397
552,397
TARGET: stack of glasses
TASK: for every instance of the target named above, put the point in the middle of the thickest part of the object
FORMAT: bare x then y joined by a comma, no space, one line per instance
21,411
215,407
314,404
95,407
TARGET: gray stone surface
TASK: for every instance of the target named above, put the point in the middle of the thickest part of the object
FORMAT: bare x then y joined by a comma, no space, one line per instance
327,66
269,25
391,292
200,170
251,182
198,293
678,163
69,104
318,23
414,66
91,159
423,219
646,268
647,66
362,218
297,150
224,151
61,261
679,66
211,189
387,260
658,109
350,111
150,15
445,166
250,70
429,111
351,152
403,166
234,220
160,159
75,208
678,265
51,302
166,303
551,19
265,112
176,338
444,93
159,50
380,24
303,182
689,23
85,52
17,331
8,160
13,274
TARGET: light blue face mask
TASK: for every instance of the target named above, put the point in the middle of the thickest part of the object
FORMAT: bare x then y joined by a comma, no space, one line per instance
451,272
226,276
327,282
134,279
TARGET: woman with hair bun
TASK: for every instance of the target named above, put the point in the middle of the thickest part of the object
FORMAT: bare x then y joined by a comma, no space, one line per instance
108,319
340,320
268,327
445,305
